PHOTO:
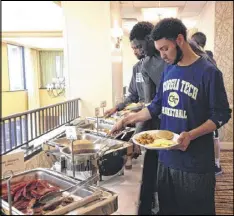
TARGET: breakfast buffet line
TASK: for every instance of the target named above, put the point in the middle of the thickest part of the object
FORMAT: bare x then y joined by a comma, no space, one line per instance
83,154
72,184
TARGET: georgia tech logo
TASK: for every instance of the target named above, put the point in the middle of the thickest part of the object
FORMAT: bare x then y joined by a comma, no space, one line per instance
173,99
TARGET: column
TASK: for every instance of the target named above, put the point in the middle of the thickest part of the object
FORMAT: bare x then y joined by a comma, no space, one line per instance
116,54
223,54
87,53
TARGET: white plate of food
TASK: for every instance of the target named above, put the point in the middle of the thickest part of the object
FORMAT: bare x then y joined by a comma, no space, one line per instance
156,139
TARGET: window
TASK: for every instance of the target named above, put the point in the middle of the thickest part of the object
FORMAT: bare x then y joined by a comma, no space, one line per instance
51,66
16,67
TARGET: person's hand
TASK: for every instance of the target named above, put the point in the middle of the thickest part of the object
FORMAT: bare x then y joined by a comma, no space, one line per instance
111,111
121,124
128,114
117,127
129,119
183,141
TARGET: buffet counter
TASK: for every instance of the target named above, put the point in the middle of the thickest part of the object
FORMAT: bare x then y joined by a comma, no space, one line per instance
52,170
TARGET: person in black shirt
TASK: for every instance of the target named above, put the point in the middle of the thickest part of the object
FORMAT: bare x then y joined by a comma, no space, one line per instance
200,39
137,89
152,68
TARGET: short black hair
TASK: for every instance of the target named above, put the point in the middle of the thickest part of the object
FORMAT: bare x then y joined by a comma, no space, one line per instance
199,38
141,30
169,28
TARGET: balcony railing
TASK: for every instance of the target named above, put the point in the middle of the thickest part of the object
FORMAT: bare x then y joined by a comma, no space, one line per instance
20,129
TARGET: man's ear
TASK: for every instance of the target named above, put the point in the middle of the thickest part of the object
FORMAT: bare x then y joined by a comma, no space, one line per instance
180,40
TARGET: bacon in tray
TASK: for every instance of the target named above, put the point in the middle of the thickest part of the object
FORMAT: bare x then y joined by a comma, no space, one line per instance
26,194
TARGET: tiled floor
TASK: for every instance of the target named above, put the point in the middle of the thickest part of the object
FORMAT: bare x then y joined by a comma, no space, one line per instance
127,187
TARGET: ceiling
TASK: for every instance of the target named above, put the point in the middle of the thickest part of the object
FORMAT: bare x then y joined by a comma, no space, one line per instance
31,16
187,11
132,9
44,16
50,43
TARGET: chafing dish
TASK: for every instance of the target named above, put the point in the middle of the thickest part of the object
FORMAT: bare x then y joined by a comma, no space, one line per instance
111,162
94,137
62,182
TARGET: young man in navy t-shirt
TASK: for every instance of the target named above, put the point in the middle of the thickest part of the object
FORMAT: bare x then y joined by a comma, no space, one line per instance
192,102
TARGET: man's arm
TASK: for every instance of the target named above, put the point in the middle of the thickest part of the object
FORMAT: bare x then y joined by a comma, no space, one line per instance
206,128
219,110
140,116
153,110
132,118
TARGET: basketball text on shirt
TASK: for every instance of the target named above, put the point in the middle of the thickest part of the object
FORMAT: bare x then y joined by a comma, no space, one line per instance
173,97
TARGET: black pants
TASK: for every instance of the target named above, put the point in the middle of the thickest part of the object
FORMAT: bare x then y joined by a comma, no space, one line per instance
148,186
182,193
149,177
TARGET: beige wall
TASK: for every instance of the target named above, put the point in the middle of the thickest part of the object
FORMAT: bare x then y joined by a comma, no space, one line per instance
206,24
5,75
87,53
116,55
117,76
191,31
223,54
46,100
14,102
129,59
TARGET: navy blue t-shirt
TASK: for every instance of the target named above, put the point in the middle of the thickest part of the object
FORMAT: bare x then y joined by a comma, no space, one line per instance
188,96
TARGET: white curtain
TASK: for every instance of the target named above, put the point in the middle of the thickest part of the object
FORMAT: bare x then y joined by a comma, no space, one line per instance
51,66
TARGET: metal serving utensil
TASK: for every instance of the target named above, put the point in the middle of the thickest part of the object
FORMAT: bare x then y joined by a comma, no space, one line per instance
54,195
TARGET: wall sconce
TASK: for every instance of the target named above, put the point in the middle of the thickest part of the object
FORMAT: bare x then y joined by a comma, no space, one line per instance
117,34
57,87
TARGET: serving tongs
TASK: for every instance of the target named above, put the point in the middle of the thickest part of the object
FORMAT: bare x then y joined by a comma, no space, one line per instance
53,196
102,139
122,132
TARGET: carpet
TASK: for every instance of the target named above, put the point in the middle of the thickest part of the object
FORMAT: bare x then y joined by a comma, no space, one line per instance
224,185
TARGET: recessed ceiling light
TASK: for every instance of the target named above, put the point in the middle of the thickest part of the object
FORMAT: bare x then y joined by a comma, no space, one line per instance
155,14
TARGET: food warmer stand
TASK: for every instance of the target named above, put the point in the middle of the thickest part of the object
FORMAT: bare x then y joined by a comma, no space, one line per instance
63,174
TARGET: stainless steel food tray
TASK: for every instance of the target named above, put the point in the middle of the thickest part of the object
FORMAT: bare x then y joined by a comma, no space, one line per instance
102,126
53,178
102,120
58,142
